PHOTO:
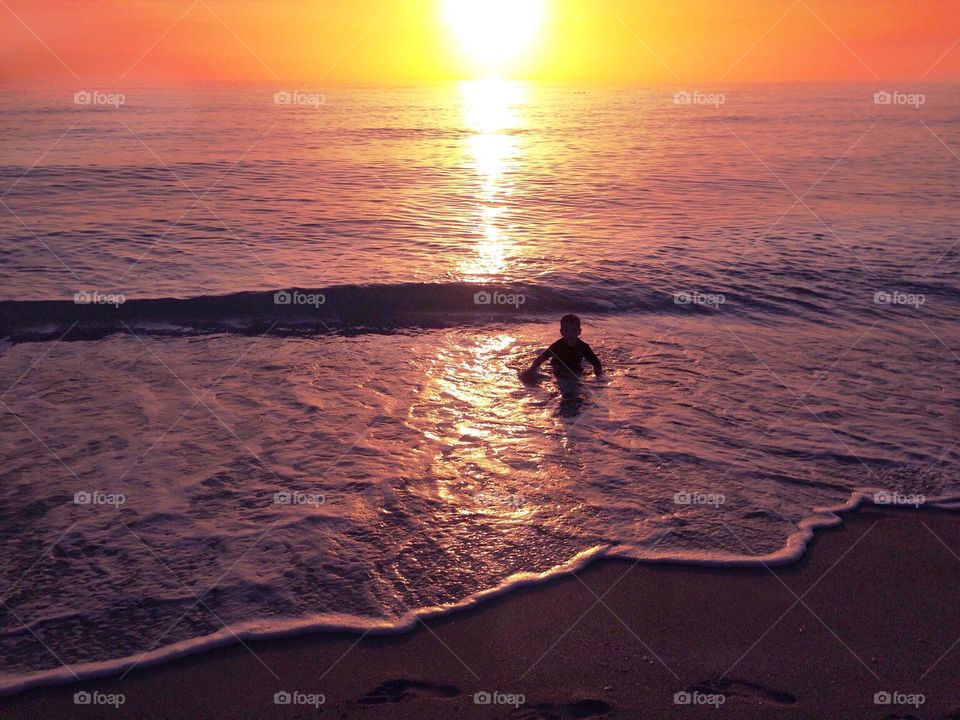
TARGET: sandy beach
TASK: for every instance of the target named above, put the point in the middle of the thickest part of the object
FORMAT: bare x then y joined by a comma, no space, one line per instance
870,609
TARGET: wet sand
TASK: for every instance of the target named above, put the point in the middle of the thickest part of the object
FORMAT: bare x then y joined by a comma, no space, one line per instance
873,607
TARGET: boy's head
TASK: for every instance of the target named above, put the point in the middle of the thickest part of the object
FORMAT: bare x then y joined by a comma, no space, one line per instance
570,327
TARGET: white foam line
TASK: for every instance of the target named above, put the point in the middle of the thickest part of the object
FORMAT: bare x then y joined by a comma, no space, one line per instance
263,630
792,551
797,542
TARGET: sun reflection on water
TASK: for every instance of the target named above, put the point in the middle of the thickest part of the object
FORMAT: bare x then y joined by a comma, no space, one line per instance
472,409
475,415
490,110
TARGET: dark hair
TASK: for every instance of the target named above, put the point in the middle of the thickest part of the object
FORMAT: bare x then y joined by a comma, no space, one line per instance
571,319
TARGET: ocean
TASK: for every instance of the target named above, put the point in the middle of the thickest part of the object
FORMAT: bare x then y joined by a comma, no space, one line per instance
260,346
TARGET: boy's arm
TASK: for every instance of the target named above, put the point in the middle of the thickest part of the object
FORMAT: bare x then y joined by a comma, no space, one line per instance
540,359
591,357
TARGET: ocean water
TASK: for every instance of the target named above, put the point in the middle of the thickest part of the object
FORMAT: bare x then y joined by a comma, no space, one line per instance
259,360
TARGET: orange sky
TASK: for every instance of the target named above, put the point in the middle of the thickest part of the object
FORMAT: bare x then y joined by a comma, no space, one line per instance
330,42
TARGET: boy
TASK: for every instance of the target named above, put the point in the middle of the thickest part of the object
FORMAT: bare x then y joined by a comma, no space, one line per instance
566,354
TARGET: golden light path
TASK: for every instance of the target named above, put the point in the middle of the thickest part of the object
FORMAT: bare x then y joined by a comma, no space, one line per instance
469,405
490,111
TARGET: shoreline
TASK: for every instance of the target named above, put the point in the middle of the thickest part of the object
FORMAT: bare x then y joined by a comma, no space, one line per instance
793,550
428,671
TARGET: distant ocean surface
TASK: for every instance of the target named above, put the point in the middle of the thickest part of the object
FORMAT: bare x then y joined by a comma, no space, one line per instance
259,358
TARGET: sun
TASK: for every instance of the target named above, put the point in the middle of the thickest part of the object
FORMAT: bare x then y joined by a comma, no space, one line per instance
494,32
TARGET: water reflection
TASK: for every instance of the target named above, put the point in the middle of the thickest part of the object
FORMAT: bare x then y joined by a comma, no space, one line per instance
470,408
477,416
490,110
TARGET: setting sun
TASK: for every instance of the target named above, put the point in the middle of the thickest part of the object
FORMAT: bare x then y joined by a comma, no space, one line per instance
493,33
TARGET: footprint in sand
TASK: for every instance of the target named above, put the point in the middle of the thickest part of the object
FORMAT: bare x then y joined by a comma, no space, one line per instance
578,710
729,688
393,691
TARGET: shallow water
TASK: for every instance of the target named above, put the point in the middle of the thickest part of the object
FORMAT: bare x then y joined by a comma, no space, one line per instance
350,462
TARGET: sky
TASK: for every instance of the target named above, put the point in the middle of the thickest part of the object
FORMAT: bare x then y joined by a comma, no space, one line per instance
385,42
